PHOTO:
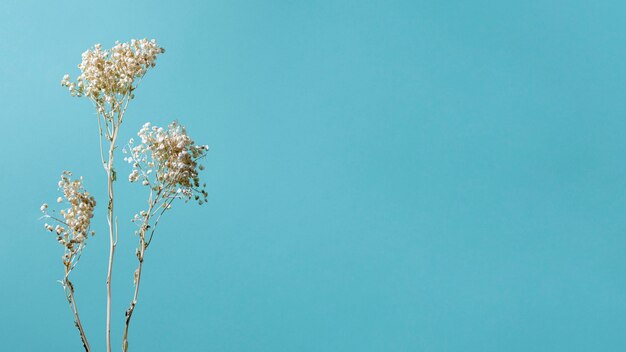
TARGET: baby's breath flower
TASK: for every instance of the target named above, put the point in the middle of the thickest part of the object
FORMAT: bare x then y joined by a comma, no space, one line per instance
73,225
133,176
167,161
107,76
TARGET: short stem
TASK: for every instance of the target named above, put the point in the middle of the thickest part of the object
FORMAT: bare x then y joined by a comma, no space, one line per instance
69,293
140,255
133,303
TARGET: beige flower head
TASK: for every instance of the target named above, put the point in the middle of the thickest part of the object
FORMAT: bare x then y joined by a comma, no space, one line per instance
108,77
73,223
167,160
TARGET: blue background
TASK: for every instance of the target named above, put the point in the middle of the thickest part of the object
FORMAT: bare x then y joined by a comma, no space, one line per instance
384,176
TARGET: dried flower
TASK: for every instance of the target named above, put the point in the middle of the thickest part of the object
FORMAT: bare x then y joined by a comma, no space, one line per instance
109,76
133,176
71,231
73,227
167,161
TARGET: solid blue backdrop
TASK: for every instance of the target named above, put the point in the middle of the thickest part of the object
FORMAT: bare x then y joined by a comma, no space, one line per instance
383,176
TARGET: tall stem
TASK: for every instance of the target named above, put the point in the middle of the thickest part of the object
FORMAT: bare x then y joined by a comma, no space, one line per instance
111,136
112,239
69,293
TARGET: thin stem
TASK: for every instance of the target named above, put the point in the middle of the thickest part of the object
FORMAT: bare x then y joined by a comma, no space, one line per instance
57,219
69,294
140,255
100,135
112,243
111,135
111,177
133,303
157,220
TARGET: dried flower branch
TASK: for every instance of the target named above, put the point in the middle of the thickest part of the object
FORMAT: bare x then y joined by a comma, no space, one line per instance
72,230
167,162
109,78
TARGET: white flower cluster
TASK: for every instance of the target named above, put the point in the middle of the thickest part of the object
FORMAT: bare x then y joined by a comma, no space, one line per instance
167,161
73,228
107,76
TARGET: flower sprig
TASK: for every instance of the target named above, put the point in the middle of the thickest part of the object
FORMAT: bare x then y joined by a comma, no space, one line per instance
109,79
167,162
72,229
72,224
108,76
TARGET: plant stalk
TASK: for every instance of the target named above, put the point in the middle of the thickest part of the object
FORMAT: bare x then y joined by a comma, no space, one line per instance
133,303
112,238
140,254
69,294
